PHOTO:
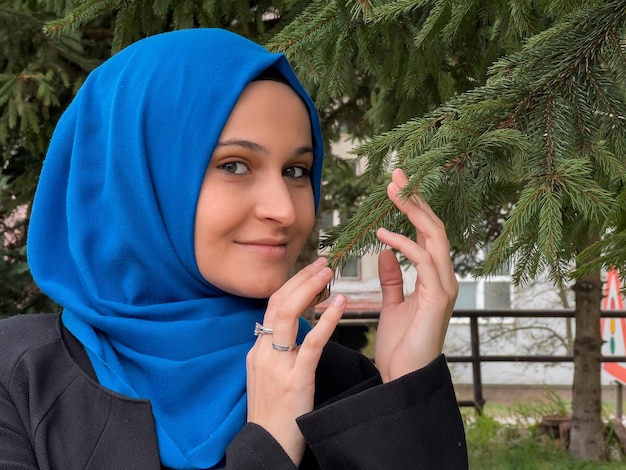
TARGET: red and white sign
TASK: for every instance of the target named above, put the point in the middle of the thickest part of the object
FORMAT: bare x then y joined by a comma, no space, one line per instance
613,330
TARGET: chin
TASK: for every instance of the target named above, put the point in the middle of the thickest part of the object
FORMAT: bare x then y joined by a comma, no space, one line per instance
257,285
261,293
258,291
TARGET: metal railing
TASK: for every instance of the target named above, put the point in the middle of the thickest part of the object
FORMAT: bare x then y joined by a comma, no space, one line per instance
369,317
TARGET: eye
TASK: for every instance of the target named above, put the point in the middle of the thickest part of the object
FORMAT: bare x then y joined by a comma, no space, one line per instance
234,168
296,172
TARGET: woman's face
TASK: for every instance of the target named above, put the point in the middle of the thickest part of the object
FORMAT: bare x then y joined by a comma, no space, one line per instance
256,208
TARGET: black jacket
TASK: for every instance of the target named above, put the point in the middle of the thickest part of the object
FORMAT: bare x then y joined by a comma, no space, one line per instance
55,416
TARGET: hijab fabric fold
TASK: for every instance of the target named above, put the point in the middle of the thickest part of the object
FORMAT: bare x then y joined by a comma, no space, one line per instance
111,233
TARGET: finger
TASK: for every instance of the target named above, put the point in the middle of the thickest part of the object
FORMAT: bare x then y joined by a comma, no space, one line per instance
390,276
314,342
429,276
288,295
285,307
428,229
431,230
434,291
292,290
399,178
321,297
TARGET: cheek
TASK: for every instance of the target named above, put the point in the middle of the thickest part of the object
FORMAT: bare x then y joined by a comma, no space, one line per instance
215,208
202,221
210,221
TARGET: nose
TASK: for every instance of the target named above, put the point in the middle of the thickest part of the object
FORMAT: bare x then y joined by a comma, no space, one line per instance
274,201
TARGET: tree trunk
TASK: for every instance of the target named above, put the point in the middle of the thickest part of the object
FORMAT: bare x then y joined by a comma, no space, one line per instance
587,433
569,331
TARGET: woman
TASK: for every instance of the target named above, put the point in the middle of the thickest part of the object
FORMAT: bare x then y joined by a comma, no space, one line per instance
178,190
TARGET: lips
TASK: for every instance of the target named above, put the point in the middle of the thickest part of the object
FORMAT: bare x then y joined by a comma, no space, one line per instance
265,242
266,247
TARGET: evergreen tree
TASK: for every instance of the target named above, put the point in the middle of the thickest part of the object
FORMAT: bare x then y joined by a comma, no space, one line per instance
536,148
507,115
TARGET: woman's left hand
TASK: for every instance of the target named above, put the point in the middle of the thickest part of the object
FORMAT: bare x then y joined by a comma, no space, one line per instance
411,331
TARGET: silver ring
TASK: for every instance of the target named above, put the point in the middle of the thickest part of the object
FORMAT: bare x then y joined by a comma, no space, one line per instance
282,347
261,330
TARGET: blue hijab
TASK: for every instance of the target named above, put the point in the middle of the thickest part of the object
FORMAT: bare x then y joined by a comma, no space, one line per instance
111,233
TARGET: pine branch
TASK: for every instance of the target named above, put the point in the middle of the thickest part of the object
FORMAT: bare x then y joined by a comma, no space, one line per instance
378,211
125,26
460,11
436,17
555,97
392,11
80,15
313,19
603,255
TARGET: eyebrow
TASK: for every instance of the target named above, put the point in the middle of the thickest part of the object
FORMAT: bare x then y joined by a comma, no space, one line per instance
254,147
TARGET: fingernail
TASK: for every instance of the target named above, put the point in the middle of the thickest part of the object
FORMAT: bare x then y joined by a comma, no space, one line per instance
325,271
339,301
320,261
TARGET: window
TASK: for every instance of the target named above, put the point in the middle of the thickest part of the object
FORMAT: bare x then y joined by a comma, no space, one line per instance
497,295
466,299
483,294
352,268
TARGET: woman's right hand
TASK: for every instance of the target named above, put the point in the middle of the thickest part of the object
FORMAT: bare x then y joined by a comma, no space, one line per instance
281,384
